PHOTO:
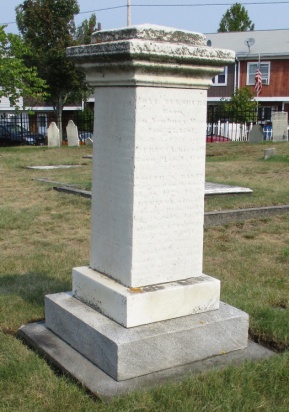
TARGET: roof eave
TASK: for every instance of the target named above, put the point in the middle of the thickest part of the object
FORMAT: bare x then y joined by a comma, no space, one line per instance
255,56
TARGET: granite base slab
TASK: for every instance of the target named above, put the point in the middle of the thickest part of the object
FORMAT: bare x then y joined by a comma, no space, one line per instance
67,360
127,353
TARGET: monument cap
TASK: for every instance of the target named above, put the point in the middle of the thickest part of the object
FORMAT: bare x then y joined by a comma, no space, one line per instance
150,32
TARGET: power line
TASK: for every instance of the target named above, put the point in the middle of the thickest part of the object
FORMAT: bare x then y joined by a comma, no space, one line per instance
185,5
105,9
172,5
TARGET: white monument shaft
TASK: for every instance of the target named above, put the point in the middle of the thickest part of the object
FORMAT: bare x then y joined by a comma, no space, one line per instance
148,190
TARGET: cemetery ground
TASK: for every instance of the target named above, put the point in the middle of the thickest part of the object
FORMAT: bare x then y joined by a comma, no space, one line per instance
44,234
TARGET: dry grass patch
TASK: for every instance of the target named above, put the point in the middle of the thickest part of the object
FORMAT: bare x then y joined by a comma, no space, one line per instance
43,233
251,260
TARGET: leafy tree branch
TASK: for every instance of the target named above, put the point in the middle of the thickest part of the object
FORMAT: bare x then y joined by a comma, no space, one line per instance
47,28
16,79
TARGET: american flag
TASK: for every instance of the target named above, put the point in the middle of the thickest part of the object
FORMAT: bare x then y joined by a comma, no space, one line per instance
258,81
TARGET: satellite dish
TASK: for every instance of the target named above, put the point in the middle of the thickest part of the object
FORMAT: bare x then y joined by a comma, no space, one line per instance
249,42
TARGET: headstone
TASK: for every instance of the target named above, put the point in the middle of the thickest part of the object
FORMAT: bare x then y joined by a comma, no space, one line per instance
89,142
53,137
280,126
144,304
72,134
256,134
269,153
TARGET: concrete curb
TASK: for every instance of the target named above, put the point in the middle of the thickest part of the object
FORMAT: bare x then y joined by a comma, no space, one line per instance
228,216
71,190
210,218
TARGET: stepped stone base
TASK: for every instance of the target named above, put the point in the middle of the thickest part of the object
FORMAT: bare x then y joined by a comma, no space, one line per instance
127,353
66,359
132,307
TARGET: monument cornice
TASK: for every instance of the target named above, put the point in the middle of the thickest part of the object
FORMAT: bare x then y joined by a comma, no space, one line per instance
150,51
144,51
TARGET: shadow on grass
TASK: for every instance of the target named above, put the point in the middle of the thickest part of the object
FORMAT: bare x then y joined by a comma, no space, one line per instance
32,287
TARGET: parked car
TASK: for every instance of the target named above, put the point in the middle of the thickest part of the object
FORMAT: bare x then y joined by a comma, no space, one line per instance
216,139
13,134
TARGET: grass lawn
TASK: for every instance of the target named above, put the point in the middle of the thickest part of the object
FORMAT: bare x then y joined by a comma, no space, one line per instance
44,234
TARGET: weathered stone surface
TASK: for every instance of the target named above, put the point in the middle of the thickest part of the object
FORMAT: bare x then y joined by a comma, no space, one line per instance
280,126
66,359
52,167
89,142
71,190
72,134
137,56
239,215
126,353
147,228
150,32
53,136
138,306
256,134
212,189
269,153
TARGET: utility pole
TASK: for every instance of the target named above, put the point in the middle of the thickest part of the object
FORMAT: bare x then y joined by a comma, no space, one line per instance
128,14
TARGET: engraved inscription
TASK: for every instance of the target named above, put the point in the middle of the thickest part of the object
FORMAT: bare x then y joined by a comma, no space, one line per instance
169,180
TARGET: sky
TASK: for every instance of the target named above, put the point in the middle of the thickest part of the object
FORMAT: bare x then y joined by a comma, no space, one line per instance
193,15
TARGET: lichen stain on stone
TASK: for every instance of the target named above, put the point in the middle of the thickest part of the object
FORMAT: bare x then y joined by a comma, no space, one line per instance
192,281
138,51
156,33
153,288
136,290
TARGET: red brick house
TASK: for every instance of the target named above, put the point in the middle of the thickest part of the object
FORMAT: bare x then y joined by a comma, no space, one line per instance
271,48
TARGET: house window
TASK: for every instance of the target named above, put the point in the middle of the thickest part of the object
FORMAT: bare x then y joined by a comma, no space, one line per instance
42,123
221,79
251,72
264,113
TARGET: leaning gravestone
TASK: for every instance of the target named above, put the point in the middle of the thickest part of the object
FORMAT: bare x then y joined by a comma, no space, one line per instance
89,142
280,126
256,134
72,134
53,136
144,304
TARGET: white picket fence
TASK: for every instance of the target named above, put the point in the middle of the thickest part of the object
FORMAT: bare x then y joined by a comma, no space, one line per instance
237,132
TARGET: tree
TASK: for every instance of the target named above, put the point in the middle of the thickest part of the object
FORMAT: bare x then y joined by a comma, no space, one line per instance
47,28
236,18
17,80
85,30
242,107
